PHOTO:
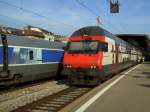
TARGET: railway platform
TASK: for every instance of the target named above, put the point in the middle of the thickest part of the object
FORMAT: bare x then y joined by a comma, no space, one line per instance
127,92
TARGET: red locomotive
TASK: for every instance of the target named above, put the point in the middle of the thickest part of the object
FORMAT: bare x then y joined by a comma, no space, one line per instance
94,54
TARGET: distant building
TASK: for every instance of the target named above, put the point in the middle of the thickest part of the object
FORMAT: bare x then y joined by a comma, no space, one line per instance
9,30
33,32
38,33
60,38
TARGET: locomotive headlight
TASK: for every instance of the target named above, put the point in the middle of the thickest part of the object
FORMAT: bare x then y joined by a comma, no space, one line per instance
68,66
93,66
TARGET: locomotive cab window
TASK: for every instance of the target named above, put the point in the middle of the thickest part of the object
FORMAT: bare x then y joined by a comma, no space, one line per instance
105,47
31,57
83,47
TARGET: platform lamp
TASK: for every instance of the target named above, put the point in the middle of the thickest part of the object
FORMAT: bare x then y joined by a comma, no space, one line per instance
114,6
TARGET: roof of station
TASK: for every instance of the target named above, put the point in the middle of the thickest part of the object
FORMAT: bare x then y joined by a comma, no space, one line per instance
139,40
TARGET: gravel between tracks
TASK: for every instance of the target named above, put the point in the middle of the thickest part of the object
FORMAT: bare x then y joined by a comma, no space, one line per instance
12,100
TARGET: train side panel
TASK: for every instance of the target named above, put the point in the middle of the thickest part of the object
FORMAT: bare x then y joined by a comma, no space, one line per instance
108,60
29,64
118,57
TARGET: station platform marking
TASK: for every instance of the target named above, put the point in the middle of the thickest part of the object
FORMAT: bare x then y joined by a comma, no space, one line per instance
100,93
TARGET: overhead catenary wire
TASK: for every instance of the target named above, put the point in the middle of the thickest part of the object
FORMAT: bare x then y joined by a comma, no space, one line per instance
58,22
22,22
11,18
81,3
19,28
74,12
92,12
86,7
35,13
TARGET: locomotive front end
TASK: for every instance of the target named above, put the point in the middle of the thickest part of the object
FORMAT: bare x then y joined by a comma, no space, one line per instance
83,57
82,62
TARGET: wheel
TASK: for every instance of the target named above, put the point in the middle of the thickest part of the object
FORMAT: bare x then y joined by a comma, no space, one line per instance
16,80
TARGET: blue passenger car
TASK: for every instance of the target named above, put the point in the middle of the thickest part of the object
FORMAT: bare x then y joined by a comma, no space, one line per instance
29,59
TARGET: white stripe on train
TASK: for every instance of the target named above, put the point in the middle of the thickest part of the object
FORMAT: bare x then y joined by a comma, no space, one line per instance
35,48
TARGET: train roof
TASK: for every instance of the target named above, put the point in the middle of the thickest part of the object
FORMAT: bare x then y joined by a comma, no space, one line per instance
95,31
29,42
91,30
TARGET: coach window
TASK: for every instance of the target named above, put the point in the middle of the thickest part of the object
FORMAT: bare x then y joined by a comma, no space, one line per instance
31,55
105,47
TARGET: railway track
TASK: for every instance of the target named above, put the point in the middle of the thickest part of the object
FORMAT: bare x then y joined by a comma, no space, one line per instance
55,102
12,88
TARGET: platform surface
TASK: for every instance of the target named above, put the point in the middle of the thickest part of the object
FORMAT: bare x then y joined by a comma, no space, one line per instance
130,94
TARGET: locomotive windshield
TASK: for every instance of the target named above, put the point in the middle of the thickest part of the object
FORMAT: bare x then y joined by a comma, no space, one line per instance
86,47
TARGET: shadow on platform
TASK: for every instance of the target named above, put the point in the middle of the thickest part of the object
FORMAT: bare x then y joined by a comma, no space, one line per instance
147,62
144,85
144,75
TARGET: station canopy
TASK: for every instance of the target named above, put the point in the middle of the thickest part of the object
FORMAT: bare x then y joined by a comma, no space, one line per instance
139,40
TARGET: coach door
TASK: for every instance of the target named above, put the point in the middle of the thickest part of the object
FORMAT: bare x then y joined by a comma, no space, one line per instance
117,55
116,58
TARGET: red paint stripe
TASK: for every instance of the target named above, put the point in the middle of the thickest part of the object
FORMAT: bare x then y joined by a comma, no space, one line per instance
82,38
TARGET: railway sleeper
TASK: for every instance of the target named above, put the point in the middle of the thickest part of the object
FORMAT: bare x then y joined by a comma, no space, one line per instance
50,104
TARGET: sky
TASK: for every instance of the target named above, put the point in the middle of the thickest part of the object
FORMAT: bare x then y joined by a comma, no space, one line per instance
66,16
